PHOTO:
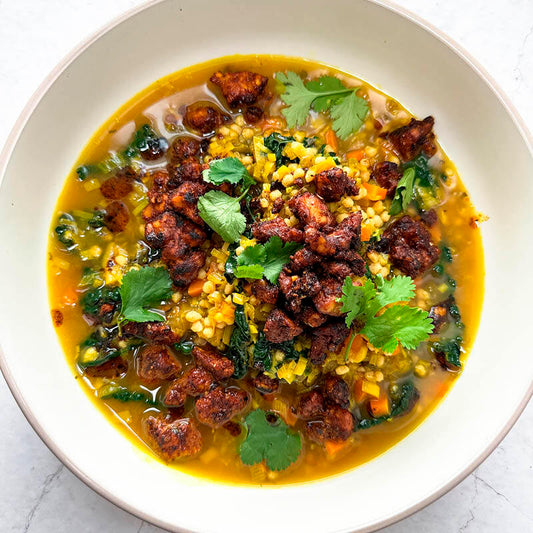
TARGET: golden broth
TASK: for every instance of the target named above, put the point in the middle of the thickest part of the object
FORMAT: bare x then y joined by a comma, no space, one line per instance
455,226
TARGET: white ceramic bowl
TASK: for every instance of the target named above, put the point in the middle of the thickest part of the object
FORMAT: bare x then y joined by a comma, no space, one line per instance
409,60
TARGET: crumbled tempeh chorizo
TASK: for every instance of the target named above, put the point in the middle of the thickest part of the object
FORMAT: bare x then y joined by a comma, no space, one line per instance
240,88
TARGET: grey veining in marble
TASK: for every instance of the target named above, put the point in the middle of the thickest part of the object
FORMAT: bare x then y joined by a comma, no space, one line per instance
38,494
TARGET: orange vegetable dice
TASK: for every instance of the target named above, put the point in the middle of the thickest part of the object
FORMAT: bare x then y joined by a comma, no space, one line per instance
366,232
196,287
379,406
375,193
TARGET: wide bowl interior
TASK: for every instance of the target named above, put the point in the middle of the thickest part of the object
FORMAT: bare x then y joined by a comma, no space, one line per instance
390,51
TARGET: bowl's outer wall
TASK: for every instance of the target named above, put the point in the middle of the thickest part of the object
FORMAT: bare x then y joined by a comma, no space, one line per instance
371,42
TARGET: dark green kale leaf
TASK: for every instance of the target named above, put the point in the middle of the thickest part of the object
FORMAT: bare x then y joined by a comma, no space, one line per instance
66,230
185,347
238,344
423,174
448,352
123,394
262,356
231,263
291,353
93,299
97,220
276,143
401,403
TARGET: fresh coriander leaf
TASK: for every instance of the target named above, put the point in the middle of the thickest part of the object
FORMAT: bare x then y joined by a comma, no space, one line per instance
297,97
252,255
273,443
401,323
227,170
348,114
333,88
250,271
222,214
356,300
249,263
278,254
404,192
397,289
268,258
347,110
144,288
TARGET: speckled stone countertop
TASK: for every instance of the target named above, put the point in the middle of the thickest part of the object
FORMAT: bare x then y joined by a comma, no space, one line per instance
38,494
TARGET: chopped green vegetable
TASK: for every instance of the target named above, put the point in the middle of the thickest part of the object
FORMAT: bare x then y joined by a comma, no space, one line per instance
123,394
93,299
66,230
401,323
446,254
238,344
97,219
268,259
143,138
91,278
222,213
404,192
185,347
272,442
262,356
424,176
347,110
276,143
144,288
231,263
287,347
450,350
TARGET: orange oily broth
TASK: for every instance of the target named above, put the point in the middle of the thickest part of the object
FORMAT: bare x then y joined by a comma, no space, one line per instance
219,458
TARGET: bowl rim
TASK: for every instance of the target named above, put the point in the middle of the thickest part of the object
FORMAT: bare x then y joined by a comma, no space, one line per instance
13,138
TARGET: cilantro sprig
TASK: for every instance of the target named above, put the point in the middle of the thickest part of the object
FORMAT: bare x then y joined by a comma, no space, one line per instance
143,289
265,259
273,442
221,212
227,170
402,324
326,93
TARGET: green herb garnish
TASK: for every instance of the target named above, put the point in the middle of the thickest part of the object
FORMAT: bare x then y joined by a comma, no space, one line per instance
327,93
402,324
265,259
272,442
227,170
141,289
222,213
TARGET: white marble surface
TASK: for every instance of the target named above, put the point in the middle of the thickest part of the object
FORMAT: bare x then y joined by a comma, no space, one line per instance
38,494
